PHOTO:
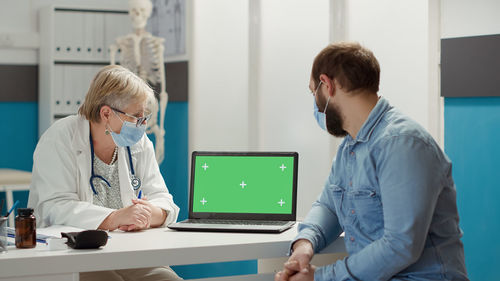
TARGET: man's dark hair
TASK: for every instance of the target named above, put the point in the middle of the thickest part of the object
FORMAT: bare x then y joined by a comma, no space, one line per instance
354,66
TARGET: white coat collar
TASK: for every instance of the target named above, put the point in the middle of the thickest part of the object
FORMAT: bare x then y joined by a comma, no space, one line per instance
81,144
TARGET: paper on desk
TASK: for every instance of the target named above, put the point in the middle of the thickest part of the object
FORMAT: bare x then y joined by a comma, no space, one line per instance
41,234
55,230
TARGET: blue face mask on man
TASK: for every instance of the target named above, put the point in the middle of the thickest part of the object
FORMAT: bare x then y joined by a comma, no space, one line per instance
130,133
320,116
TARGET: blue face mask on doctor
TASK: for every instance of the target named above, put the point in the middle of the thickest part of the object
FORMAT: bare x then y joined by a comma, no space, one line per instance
320,116
130,133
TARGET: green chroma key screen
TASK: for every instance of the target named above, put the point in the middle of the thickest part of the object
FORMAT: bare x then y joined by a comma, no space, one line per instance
243,184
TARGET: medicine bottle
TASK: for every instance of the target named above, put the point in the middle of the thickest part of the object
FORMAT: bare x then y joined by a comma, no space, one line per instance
25,228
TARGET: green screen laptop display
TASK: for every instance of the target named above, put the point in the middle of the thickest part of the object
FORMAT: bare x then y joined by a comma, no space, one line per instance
243,184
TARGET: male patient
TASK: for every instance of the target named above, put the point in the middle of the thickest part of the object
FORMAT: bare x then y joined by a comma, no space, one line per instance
390,189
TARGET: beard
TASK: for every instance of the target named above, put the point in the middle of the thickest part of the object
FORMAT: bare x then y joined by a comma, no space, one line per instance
335,122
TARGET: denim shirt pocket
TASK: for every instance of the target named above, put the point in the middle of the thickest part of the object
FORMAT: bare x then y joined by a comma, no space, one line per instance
367,207
337,196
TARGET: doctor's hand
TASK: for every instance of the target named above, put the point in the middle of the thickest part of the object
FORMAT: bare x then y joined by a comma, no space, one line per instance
298,265
134,217
158,215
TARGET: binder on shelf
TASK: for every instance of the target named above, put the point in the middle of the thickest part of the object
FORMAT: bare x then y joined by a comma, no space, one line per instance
76,87
61,35
68,87
58,82
74,46
99,48
88,35
83,85
77,26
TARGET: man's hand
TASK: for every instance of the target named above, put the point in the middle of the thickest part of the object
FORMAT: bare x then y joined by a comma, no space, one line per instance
303,275
298,265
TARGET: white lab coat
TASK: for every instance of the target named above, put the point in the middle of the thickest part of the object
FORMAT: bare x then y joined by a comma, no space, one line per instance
60,189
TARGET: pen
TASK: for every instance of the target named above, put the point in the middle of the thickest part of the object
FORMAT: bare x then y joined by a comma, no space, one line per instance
140,194
13,207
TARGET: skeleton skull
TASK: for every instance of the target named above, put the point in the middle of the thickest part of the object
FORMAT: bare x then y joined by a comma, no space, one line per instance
139,12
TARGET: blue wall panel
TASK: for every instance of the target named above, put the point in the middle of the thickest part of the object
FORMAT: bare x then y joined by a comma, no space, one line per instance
472,141
18,138
19,134
220,269
174,167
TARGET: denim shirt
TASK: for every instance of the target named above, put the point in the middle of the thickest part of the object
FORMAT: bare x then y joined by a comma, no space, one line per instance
391,192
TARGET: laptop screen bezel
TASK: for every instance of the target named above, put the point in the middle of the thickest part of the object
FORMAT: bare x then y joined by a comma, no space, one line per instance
245,216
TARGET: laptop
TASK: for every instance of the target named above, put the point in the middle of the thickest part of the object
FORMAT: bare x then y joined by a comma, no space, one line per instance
242,192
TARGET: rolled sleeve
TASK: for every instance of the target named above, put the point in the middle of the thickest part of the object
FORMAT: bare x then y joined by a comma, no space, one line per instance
324,273
337,271
321,225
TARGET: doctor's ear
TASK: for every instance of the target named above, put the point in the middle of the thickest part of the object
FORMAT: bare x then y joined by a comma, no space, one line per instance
105,113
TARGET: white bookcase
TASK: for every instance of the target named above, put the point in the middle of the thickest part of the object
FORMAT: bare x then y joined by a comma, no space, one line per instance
74,45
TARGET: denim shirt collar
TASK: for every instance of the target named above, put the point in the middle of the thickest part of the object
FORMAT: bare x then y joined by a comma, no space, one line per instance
371,122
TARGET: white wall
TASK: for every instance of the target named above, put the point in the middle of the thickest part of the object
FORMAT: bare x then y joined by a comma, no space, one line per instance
265,66
397,33
250,68
258,98
16,18
218,75
461,18
292,33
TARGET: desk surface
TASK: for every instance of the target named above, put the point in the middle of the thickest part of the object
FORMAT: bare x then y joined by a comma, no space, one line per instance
154,247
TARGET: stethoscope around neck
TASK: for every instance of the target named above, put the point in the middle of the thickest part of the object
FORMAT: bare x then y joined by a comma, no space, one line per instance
134,180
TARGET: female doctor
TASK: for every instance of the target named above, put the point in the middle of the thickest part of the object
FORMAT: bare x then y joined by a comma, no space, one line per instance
97,169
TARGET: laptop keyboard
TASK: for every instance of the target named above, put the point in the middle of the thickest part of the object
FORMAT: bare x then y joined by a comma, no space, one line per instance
240,222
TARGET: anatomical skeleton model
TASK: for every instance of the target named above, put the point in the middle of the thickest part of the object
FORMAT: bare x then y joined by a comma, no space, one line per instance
142,53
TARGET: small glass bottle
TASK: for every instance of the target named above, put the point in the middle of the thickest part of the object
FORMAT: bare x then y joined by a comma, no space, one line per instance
25,228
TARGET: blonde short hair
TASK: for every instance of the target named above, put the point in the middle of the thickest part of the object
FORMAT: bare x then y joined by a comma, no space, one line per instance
117,87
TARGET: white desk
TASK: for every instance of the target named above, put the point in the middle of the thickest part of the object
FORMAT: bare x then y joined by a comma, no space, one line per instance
155,247
13,180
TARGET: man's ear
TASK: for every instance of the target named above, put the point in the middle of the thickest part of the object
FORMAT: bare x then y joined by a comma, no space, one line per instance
330,84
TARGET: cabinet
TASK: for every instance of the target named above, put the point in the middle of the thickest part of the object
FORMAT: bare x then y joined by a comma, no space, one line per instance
74,45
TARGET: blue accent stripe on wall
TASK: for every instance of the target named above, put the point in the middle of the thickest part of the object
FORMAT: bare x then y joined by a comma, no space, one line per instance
174,167
472,141
19,134
219,269
18,141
